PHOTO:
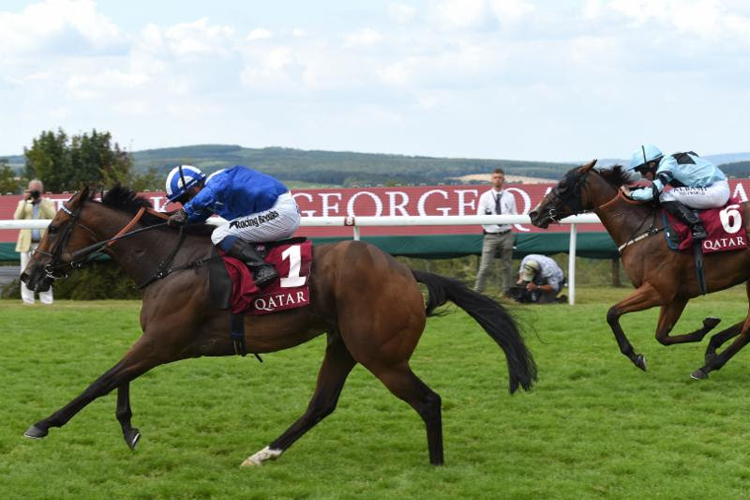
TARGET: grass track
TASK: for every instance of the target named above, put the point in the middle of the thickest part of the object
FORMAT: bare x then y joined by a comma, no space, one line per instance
594,426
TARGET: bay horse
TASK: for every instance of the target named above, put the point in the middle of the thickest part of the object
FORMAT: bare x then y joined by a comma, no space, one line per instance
661,277
369,305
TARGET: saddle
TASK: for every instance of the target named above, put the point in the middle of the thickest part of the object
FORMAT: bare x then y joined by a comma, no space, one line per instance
725,226
231,285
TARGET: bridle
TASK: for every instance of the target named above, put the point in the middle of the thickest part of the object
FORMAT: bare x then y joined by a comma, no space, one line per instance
572,197
87,254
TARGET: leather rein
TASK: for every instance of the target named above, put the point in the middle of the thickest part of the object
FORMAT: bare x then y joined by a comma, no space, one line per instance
620,196
88,253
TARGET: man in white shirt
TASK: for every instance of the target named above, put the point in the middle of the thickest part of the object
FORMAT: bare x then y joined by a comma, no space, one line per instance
496,236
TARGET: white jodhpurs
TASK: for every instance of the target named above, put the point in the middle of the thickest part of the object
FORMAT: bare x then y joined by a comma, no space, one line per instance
27,295
277,223
715,195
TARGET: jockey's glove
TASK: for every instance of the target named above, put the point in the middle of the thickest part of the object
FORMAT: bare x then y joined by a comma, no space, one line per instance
178,218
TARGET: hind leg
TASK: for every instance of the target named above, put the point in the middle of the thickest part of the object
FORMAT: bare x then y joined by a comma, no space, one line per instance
719,339
716,361
405,385
331,377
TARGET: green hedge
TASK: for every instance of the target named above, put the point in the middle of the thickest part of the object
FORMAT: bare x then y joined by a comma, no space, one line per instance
96,281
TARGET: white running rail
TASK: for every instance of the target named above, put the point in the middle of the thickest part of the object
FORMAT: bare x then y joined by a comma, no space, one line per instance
392,221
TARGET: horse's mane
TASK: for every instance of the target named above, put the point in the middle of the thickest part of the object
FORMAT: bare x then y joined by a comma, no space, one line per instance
125,199
616,175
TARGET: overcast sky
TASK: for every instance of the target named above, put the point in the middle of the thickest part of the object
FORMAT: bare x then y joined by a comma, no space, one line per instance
516,79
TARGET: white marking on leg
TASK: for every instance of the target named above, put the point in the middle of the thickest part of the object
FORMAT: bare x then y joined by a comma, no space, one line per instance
261,456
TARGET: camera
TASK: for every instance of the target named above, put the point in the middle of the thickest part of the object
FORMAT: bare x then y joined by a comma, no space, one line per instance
35,194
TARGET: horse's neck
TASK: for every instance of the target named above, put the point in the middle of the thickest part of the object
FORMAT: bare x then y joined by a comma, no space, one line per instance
139,256
623,220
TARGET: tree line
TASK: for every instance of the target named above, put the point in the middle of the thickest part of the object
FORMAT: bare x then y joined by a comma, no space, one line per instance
67,163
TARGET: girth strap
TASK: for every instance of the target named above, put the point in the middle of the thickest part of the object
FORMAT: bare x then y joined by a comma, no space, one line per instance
237,329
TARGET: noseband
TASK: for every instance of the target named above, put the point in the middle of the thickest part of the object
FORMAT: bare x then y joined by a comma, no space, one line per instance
570,196
80,257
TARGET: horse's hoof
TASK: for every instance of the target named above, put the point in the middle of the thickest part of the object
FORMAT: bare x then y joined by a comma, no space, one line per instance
265,454
699,375
711,322
132,437
35,432
251,462
640,362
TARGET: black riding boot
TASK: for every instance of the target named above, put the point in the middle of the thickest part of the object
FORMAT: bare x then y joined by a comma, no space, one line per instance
263,273
687,216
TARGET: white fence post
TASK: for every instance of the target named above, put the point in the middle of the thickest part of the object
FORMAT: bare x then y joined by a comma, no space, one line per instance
572,265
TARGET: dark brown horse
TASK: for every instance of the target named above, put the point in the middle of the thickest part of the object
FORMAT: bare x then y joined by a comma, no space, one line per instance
369,305
662,277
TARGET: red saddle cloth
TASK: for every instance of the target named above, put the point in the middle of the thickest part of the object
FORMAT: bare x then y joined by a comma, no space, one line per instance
725,227
290,291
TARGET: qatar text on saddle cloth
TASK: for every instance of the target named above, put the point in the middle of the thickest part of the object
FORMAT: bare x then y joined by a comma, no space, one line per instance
290,291
725,227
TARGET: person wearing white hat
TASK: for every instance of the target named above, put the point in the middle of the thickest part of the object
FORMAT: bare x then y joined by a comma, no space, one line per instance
541,277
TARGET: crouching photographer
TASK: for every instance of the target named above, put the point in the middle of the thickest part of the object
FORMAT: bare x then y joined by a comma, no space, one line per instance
540,279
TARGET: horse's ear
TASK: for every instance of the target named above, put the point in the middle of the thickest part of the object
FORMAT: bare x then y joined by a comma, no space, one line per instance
84,194
588,166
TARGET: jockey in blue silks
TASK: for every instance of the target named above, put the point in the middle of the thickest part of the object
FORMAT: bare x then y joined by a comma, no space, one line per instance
258,207
696,183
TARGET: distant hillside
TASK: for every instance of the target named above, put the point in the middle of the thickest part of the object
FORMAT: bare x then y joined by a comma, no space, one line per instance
16,162
342,168
728,158
740,169
339,168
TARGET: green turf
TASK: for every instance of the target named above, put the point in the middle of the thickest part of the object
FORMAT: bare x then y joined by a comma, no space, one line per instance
594,425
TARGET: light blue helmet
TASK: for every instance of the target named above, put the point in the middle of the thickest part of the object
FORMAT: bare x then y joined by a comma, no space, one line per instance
182,178
643,155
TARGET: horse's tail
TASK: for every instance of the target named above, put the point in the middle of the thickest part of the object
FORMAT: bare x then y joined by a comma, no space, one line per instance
493,317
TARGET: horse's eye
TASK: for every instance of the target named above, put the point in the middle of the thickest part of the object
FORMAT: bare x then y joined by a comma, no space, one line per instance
52,229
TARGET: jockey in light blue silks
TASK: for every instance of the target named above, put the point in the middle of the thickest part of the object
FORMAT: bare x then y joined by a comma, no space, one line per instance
258,207
696,183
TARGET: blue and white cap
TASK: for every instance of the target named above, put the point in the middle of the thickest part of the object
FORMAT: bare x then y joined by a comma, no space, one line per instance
180,179
643,155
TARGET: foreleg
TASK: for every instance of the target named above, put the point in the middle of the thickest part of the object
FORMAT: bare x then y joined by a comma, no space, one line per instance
135,363
644,297
124,414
